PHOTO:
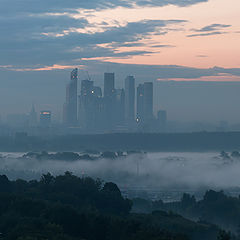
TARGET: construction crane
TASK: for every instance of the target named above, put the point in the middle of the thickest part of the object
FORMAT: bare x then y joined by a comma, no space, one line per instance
89,78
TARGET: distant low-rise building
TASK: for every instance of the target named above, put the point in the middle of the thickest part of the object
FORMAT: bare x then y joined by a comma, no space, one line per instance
45,118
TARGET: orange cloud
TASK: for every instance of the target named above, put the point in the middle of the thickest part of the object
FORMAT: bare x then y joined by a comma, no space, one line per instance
48,68
218,78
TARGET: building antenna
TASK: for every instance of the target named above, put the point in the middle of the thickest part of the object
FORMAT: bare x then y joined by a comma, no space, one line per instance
89,78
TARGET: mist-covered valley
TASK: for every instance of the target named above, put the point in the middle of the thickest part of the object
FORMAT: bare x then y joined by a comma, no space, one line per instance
156,175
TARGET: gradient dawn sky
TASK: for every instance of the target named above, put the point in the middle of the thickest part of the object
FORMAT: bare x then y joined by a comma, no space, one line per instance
181,40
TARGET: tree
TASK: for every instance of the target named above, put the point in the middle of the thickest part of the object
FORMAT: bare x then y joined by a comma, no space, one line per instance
223,235
47,178
5,184
188,200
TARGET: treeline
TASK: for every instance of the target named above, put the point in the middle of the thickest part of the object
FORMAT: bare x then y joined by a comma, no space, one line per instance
73,156
215,207
200,141
67,207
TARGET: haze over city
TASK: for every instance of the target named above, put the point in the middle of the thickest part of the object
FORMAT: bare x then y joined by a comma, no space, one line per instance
119,120
153,41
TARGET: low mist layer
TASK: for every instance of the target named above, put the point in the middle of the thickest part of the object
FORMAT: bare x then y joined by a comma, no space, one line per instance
162,171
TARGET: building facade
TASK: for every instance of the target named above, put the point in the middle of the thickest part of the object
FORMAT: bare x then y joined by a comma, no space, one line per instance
130,100
70,106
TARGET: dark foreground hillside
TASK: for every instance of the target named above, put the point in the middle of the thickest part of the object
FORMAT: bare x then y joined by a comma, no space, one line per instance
69,208
215,207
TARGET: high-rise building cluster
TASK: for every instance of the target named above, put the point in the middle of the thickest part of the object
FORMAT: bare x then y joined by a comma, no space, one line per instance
125,109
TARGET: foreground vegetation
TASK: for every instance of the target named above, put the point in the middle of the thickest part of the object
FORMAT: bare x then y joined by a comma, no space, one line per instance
215,207
67,207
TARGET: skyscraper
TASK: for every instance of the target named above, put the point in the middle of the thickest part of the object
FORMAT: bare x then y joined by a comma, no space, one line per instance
85,103
109,100
109,89
130,99
145,102
90,114
148,101
97,92
140,103
98,106
86,87
120,107
33,117
70,106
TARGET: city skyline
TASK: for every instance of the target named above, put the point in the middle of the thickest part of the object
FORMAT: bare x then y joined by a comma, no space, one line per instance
171,95
155,40
113,109
130,105
104,106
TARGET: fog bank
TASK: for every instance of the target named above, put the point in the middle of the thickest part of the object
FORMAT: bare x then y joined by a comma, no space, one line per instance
163,171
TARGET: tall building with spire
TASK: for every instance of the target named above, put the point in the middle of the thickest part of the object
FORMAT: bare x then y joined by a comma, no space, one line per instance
70,106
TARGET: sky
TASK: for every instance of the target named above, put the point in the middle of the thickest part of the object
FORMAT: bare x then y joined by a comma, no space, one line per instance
155,40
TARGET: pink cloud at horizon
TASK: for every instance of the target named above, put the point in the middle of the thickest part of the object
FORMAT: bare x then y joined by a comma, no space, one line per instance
221,47
45,68
218,78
